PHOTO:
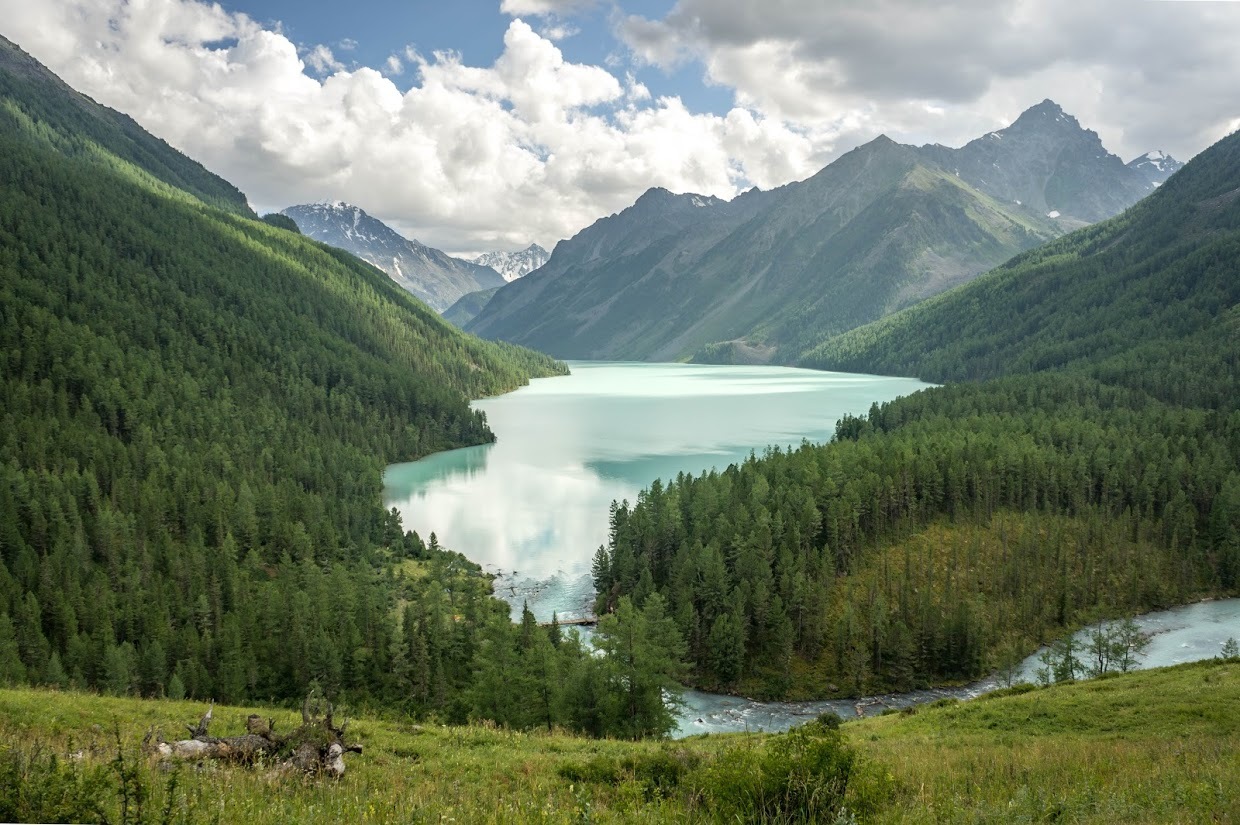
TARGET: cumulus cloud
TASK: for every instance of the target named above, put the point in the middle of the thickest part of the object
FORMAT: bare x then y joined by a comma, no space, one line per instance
1142,74
544,7
321,59
534,147
530,148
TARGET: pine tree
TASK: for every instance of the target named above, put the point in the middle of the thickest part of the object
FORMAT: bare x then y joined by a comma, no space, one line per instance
12,671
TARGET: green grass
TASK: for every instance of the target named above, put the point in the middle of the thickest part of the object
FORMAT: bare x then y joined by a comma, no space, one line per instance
1153,746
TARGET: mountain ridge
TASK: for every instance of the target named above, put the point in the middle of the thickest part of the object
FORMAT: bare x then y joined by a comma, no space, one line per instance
436,278
675,274
514,265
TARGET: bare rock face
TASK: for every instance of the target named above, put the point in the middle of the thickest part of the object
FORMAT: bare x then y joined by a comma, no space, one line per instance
1047,162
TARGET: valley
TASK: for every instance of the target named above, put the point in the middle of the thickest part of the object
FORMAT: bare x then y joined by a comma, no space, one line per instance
819,422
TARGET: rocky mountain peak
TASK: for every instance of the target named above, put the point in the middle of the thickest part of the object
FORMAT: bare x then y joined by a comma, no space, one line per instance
1047,116
1155,166
433,276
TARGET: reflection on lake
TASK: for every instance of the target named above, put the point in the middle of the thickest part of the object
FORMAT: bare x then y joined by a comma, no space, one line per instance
533,507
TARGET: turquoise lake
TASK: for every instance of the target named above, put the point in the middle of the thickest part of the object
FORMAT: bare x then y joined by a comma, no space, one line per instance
532,508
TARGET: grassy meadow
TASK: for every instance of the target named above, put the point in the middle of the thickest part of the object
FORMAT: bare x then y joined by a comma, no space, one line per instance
1153,746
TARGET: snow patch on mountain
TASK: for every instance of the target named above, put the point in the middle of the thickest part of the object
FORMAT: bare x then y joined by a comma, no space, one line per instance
513,265
433,276
1155,166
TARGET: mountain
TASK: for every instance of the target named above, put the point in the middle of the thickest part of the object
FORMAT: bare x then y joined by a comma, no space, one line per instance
513,265
878,229
1080,460
1155,166
1048,163
84,125
1166,272
433,276
765,276
198,407
468,307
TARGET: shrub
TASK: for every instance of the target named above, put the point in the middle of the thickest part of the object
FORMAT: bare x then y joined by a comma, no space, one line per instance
798,776
38,786
657,773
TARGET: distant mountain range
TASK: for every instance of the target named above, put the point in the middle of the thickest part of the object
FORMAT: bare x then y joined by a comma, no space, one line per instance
1151,300
1155,166
513,265
433,276
769,274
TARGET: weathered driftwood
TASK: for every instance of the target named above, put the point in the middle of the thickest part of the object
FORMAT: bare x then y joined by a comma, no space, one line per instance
317,747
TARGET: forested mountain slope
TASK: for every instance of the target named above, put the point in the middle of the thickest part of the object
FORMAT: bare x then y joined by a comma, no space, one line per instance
197,410
468,307
431,275
1087,465
77,123
1126,301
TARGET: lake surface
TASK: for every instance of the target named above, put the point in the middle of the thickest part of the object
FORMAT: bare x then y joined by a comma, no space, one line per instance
533,507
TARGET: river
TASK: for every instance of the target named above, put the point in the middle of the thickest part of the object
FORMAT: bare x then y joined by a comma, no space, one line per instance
533,507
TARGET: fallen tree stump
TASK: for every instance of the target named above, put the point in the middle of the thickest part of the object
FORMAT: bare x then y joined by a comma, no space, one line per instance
316,748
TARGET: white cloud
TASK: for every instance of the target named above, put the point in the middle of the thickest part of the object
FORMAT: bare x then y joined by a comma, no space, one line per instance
1141,74
321,59
559,31
393,65
543,7
531,148
535,147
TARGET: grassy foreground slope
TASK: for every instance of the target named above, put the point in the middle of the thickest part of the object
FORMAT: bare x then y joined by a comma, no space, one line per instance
1154,746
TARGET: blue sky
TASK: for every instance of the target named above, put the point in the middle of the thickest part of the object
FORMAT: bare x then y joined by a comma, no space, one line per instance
525,121
367,32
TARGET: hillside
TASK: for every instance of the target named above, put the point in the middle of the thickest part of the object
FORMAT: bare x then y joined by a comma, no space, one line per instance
82,126
1084,751
1125,301
877,230
432,276
769,274
1081,460
468,307
197,410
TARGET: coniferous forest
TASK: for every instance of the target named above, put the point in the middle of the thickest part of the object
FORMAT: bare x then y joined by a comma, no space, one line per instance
198,406
1082,462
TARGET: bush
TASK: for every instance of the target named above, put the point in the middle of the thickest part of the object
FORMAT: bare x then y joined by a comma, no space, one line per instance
1014,690
798,776
38,786
657,773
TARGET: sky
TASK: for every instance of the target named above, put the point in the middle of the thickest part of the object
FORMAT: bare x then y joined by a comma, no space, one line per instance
477,125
